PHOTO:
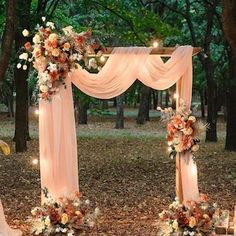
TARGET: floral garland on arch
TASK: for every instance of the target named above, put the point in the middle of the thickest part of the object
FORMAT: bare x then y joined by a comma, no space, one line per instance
183,130
54,52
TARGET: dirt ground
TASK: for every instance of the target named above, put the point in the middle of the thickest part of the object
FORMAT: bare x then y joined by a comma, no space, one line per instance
126,173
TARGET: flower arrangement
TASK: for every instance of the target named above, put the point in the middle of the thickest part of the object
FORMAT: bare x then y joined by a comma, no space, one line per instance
192,219
66,215
54,52
184,131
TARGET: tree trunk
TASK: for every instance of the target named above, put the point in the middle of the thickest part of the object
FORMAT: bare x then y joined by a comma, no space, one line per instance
229,19
155,99
83,107
120,112
143,113
104,104
211,133
21,117
230,143
167,98
202,103
8,37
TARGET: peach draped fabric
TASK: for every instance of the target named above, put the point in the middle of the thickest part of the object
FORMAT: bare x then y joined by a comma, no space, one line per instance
58,148
5,230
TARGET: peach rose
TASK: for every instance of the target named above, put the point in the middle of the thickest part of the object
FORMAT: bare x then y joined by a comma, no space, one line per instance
192,222
55,52
66,46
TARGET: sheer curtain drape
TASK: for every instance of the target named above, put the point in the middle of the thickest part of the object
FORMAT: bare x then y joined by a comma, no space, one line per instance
5,230
58,148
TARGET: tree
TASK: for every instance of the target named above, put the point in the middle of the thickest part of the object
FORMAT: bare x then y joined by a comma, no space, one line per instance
120,112
229,20
21,117
143,113
8,37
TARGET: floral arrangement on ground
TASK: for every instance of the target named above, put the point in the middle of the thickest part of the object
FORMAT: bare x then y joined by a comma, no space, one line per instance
65,215
184,131
55,52
194,218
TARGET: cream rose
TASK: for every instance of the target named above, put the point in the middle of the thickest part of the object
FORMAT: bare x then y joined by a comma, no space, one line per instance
192,118
25,33
43,88
175,225
24,56
47,221
36,39
53,37
188,131
178,148
64,218
195,148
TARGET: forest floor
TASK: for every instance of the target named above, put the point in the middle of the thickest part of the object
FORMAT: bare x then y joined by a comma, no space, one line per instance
126,173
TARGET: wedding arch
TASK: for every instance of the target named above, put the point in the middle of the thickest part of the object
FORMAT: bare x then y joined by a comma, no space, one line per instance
57,133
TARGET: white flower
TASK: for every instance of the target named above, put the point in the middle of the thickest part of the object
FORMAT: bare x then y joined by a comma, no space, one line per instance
52,67
25,33
30,59
68,30
38,226
64,230
43,18
36,39
195,148
76,204
47,221
50,24
192,118
43,88
92,63
96,211
18,66
70,233
24,56
175,224
24,67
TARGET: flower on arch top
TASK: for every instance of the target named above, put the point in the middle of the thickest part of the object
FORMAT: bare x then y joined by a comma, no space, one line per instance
54,52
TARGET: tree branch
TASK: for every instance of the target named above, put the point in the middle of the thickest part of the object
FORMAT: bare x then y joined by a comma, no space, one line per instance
129,22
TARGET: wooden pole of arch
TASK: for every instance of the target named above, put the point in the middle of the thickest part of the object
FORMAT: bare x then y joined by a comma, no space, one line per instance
163,51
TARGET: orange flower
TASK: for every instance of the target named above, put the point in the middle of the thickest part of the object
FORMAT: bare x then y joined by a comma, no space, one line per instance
66,46
54,75
186,142
80,40
178,122
27,46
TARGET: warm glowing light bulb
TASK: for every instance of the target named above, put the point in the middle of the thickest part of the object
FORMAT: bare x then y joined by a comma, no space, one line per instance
176,96
102,59
37,111
35,161
155,44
